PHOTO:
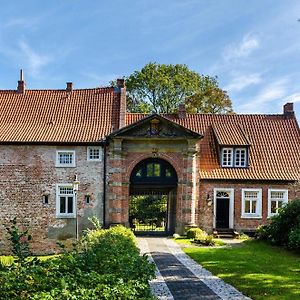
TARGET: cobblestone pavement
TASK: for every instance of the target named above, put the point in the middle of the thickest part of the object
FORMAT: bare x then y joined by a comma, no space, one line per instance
179,277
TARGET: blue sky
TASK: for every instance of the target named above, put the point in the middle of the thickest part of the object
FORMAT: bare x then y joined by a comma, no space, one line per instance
252,46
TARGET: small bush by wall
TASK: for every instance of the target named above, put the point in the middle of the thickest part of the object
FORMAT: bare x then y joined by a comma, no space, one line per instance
196,233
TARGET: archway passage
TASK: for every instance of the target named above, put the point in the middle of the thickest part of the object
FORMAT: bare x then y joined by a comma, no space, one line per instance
152,208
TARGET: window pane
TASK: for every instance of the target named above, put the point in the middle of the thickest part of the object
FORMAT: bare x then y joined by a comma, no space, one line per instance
251,195
237,157
240,157
168,173
277,195
65,158
70,205
66,190
254,205
62,205
243,158
273,207
247,207
149,170
280,203
94,153
139,173
227,157
156,170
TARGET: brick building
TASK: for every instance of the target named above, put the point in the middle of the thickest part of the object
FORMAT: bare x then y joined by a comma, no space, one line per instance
67,155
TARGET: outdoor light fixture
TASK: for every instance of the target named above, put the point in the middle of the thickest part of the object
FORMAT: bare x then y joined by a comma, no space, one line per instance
75,190
209,199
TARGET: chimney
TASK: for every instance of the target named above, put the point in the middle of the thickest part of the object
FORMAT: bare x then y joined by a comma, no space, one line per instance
21,83
69,87
181,111
120,83
121,90
288,110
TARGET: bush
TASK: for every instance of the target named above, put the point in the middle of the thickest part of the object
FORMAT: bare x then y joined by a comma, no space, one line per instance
105,264
196,233
284,227
294,239
208,240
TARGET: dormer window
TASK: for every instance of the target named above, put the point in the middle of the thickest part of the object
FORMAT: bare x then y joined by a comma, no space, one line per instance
240,157
234,157
227,157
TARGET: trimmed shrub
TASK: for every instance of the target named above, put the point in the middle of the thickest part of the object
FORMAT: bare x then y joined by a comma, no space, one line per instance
208,240
196,233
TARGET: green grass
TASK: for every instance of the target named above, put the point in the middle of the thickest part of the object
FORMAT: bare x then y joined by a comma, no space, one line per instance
257,269
185,241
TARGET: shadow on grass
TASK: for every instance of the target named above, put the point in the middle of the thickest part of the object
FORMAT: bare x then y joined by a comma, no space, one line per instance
257,269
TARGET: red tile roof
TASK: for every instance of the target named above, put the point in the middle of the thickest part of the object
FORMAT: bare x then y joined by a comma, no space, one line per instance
88,115
274,144
237,135
82,115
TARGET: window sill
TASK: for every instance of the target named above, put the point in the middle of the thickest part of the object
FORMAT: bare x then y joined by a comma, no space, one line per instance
65,166
66,216
94,160
251,217
234,167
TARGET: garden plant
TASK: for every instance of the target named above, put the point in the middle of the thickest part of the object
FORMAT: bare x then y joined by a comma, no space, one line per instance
104,264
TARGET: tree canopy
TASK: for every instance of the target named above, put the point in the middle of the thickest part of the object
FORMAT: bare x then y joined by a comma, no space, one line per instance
160,88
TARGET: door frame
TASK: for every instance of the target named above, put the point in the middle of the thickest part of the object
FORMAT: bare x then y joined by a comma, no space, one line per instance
230,191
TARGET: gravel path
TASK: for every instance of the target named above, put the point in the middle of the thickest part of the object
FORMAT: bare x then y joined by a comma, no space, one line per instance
180,277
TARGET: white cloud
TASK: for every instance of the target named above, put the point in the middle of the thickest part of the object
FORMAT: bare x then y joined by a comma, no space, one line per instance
267,99
242,49
292,98
242,81
33,61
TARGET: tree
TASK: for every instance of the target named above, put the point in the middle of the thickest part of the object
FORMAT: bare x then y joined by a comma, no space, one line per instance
160,88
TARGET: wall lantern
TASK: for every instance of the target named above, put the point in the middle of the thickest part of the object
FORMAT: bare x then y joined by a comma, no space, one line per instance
209,199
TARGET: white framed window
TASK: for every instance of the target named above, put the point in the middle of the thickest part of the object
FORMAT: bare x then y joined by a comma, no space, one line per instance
65,201
277,198
227,157
94,153
240,157
65,158
251,203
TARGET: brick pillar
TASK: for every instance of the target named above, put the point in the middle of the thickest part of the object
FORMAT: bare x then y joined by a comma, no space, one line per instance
117,186
189,195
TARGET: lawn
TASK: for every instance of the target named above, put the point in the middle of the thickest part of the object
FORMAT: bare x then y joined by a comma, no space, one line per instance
255,268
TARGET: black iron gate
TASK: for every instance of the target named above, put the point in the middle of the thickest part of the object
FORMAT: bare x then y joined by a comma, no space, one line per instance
148,212
153,185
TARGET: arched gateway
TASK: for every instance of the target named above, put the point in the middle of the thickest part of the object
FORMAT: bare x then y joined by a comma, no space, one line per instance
152,206
143,188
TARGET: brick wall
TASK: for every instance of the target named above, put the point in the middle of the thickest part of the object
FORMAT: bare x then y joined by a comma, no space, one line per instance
26,174
206,212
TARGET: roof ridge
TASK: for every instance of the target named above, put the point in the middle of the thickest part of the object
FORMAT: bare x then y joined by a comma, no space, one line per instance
58,90
210,114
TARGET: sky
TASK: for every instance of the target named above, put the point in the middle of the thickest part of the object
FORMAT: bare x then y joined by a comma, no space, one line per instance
252,46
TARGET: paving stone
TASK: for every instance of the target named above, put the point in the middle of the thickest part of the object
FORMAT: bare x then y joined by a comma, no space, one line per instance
181,278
